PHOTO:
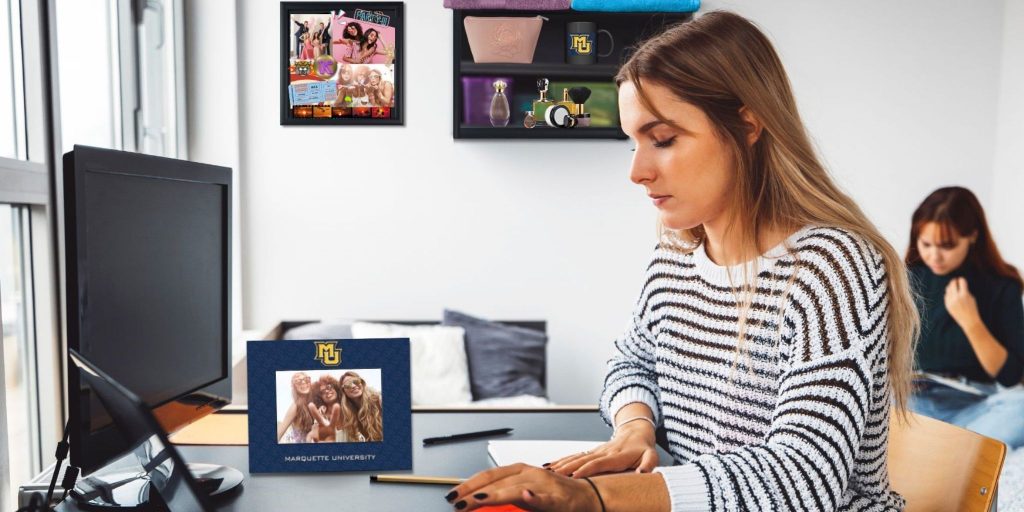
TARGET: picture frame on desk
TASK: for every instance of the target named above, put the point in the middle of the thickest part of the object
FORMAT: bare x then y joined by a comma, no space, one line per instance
342,63
329,405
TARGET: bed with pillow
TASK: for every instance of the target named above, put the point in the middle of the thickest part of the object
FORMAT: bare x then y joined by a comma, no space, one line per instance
461,361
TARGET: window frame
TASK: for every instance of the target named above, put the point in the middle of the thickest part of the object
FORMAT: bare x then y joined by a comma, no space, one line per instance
23,182
33,180
17,79
27,182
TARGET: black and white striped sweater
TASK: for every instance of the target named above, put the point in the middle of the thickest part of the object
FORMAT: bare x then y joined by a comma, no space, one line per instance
799,418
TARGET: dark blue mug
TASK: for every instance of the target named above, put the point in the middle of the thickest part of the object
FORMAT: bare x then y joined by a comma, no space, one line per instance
581,42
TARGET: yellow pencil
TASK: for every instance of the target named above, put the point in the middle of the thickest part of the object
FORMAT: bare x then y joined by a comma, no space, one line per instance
413,479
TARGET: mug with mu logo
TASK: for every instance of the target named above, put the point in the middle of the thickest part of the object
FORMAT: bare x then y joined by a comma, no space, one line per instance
581,42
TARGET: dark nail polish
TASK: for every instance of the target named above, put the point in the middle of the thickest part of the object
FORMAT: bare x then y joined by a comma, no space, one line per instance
461,505
546,464
480,496
450,496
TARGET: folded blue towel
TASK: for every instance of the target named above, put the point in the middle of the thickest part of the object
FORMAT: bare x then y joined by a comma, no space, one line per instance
636,5
522,5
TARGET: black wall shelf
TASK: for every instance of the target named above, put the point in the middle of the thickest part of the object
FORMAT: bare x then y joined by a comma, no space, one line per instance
519,132
549,62
601,71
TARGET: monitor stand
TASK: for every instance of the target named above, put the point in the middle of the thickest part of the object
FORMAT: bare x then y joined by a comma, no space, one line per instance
125,486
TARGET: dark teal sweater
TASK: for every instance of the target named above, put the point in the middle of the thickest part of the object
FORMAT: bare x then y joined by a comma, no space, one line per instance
944,347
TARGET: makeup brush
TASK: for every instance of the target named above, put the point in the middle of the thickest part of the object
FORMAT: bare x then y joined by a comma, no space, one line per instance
579,96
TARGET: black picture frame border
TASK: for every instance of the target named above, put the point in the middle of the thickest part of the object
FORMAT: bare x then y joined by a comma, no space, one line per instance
398,21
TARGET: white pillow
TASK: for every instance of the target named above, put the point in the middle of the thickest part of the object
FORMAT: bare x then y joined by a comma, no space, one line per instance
440,371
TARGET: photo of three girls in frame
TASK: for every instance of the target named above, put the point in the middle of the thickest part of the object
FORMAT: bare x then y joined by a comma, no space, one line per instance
330,409
345,39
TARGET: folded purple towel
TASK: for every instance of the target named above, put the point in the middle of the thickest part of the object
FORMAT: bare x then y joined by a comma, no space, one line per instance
517,5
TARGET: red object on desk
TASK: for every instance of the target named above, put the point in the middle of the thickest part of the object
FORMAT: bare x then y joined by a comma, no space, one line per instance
501,508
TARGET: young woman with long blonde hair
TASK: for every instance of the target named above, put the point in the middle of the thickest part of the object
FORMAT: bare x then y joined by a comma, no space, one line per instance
297,422
362,410
774,330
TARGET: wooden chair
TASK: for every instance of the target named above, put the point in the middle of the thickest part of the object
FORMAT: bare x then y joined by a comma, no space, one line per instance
941,467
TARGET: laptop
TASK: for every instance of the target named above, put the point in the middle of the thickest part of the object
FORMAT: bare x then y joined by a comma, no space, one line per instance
164,476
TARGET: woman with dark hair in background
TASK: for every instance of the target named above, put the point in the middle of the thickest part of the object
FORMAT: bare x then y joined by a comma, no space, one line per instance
971,350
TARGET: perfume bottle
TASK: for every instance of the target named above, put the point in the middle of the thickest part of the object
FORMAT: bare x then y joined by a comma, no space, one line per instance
569,104
540,105
528,120
499,105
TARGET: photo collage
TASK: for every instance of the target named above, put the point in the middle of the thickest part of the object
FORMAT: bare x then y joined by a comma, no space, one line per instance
342,65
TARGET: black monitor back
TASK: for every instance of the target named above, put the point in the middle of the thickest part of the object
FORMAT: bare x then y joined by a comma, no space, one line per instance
148,259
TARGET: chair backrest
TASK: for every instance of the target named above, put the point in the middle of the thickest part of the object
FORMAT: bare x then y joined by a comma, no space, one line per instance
941,467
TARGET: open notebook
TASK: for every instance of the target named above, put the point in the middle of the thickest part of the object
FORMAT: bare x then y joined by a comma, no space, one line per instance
535,453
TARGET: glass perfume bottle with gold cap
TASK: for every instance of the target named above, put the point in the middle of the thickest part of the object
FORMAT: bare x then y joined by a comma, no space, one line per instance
540,105
569,104
500,111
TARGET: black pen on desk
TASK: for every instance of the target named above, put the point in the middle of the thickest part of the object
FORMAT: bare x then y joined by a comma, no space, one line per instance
468,435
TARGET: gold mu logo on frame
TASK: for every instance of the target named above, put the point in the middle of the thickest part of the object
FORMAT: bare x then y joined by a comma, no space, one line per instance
328,353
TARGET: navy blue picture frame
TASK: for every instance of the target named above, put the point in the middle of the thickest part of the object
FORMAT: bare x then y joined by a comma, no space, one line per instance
391,356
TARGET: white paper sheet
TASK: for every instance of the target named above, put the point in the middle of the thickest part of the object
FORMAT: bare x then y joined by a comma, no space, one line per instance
535,453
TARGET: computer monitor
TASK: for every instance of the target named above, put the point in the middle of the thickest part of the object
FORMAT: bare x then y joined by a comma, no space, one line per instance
148,259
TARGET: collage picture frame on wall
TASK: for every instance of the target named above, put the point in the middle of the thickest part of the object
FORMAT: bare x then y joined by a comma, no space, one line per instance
342,63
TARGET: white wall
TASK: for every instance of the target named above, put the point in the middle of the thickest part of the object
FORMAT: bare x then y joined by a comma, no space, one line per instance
212,115
401,222
1008,181
900,96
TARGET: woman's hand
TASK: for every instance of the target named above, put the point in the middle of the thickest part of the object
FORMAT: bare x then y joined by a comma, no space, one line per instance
526,487
961,304
633,447
318,413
